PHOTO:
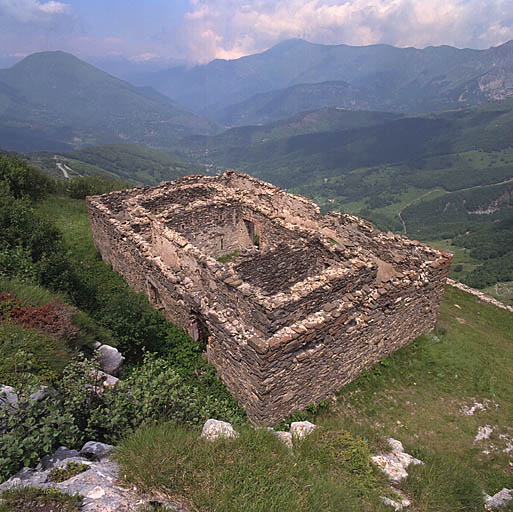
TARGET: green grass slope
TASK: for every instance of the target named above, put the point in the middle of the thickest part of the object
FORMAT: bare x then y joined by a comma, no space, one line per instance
418,395
129,162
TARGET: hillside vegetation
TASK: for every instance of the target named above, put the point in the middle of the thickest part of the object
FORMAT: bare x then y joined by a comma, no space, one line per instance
56,298
435,177
131,163
54,101
418,395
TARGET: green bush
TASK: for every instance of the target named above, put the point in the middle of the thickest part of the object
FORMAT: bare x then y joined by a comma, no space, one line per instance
155,392
33,429
82,409
22,181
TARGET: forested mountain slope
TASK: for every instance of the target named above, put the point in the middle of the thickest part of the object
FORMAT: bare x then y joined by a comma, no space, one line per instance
52,100
378,77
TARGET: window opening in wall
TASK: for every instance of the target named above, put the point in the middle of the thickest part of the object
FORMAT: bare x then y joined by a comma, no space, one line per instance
253,236
198,330
222,243
153,294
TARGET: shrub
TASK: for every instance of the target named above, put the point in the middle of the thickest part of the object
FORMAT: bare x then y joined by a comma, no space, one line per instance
32,430
23,181
153,393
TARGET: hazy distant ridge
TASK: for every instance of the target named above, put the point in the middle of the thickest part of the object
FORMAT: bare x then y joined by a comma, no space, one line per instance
378,77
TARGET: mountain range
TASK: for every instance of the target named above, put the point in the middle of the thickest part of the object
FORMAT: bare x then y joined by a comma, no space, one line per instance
296,75
55,101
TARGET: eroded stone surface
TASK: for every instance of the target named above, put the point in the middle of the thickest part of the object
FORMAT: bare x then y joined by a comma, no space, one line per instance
98,485
394,463
498,500
293,304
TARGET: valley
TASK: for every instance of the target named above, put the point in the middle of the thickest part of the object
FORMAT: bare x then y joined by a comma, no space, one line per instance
419,142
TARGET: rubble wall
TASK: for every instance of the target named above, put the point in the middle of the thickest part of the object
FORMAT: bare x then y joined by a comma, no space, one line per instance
287,323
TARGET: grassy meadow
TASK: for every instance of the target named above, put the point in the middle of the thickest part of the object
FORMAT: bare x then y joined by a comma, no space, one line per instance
418,395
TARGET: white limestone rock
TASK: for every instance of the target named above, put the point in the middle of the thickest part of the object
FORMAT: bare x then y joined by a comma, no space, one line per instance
8,397
498,500
215,429
98,485
394,463
397,505
110,359
301,429
483,433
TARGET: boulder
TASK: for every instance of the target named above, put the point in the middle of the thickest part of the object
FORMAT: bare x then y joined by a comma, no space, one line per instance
94,450
98,485
394,463
8,397
301,429
50,461
110,359
498,500
214,429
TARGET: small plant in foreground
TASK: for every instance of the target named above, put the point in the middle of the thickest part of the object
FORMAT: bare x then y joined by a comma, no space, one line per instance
30,499
71,469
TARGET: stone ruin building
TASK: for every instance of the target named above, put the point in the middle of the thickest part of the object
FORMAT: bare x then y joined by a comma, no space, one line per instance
292,304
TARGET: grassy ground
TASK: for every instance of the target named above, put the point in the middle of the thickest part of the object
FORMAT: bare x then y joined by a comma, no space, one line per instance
71,218
502,292
417,396
254,472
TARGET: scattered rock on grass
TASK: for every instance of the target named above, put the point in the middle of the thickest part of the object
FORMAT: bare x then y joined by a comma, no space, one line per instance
483,433
215,429
394,463
498,500
301,429
400,503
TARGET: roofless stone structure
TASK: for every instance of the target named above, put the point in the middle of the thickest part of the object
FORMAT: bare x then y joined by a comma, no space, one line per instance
292,304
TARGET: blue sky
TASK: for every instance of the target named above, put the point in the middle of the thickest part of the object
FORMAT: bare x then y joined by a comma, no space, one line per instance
200,30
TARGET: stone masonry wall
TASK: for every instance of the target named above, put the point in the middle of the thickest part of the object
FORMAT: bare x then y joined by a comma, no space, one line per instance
289,320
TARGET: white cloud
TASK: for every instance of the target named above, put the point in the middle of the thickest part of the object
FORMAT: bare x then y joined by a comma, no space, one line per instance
144,57
231,28
32,10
